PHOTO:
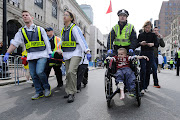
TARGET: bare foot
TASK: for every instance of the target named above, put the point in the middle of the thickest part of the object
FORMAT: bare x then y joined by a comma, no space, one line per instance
122,96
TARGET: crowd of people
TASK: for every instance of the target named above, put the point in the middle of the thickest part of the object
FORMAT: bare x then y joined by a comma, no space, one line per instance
45,51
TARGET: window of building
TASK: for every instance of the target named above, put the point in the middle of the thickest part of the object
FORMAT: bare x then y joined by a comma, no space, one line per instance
166,9
35,15
41,18
39,3
38,16
54,9
166,13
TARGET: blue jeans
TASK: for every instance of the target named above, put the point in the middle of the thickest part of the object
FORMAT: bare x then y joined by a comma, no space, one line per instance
126,75
146,68
38,75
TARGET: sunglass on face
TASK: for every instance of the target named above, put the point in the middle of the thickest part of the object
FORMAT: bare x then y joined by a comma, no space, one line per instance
66,15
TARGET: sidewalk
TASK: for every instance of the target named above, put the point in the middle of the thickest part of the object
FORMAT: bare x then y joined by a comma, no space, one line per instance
23,79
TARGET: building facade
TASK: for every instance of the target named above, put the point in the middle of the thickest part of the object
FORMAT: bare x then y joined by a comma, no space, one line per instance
169,10
97,44
46,13
88,10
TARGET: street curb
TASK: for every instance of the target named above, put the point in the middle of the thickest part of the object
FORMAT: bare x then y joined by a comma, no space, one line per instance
7,82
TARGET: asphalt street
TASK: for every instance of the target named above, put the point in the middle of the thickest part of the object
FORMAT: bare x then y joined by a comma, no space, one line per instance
90,104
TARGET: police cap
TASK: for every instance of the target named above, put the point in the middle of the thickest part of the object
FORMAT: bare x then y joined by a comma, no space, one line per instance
123,11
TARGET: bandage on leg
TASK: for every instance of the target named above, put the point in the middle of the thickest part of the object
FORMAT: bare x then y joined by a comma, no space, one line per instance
121,87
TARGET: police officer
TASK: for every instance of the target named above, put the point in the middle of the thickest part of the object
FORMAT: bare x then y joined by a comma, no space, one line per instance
122,34
53,63
177,58
38,48
171,62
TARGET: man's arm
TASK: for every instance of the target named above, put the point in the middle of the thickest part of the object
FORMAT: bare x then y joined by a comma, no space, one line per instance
133,38
112,36
11,49
161,42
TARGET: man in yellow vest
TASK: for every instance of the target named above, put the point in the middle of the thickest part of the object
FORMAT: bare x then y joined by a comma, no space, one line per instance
177,58
171,62
122,34
55,64
38,50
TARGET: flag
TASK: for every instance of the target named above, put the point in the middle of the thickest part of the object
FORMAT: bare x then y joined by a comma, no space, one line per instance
109,9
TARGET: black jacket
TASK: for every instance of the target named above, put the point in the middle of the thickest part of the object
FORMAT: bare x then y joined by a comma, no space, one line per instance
133,38
160,43
149,38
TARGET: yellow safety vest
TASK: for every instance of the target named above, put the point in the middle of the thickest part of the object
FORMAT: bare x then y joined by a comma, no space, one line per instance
123,39
171,62
178,54
68,43
33,44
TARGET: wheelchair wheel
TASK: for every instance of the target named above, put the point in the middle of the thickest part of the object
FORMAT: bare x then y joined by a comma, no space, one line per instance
138,91
108,87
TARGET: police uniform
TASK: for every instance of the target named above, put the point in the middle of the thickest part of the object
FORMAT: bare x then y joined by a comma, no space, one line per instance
122,35
55,64
38,48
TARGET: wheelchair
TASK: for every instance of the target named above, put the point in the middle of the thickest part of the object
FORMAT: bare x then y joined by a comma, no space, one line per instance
109,74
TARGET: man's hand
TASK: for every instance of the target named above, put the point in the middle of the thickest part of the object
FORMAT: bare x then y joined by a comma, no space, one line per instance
59,51
143,43
109,51
89,56
131,50
145,57
150,44
6,57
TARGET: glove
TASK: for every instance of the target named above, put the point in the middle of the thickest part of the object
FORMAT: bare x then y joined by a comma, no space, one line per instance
89,56
50,56
6,57
130,50
109,51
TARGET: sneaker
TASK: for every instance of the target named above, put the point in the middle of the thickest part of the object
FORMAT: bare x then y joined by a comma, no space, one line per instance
66,96
70,98
157,86
29,81
37,96
47,92
146,90
78,91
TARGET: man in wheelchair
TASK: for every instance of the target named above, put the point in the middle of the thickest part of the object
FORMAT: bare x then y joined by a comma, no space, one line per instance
124,74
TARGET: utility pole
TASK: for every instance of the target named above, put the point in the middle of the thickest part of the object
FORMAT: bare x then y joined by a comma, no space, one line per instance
4,27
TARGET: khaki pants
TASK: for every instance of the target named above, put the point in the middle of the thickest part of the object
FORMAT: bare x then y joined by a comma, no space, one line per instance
159,67
71,74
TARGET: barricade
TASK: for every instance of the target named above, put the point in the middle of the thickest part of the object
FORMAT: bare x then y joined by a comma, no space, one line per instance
13,69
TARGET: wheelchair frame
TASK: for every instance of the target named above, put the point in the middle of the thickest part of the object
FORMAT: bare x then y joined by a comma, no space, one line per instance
110,71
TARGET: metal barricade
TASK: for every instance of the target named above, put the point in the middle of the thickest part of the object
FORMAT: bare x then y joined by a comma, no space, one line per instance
13,69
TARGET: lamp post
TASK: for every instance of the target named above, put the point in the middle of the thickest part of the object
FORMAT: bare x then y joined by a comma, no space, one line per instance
4,27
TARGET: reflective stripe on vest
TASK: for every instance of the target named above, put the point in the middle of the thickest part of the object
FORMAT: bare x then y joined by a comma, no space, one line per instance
178,54
68,43
31,44
123,38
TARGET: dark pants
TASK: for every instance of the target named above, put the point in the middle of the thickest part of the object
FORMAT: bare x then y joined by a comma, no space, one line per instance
82,69
146,68
58,73
178,65
154,71
171,66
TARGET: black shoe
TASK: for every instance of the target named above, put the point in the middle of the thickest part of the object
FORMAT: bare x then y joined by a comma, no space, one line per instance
32,85
70,98
78,91
66,96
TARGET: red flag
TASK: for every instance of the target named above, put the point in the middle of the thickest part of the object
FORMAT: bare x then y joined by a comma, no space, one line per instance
110,8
